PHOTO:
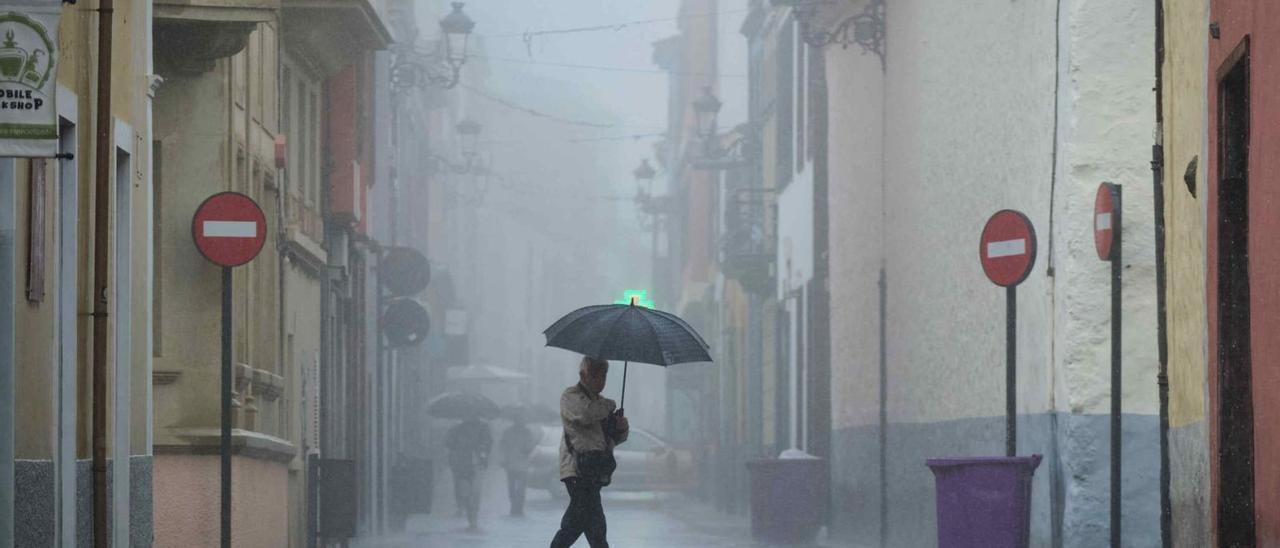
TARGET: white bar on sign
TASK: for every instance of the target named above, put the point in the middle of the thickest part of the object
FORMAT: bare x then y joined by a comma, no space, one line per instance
1006,248
230,229
1103,222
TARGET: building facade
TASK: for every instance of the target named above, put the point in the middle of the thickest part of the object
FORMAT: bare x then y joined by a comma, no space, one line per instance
48,211
273,100
1184,170
917,331
1241,271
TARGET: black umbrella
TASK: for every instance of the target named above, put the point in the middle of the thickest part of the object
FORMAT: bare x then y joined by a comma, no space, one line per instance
458,405
629,333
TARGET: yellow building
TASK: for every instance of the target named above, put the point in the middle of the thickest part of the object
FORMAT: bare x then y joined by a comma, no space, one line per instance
1184,140
48,209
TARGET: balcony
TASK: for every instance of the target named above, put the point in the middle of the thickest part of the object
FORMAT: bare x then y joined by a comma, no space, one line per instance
304,229
191,35
747,248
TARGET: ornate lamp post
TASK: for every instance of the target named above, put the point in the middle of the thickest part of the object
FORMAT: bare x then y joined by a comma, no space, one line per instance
468,145
735,151
865,28
441,69
706,109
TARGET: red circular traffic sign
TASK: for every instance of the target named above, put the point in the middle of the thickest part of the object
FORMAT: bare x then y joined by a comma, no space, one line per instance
1105,220
229,229
1008,248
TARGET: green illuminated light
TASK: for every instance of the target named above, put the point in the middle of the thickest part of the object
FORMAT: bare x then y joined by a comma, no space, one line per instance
639,297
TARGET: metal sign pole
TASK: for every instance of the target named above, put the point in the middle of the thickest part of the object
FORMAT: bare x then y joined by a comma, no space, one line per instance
225,449
1011,371
1117,267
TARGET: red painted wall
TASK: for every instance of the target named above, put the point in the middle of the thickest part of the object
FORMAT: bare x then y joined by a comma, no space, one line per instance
347,201
1259,20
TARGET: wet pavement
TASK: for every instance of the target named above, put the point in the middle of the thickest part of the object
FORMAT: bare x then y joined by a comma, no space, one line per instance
636,520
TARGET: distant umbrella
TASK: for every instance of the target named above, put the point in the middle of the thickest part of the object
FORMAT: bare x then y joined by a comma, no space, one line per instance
630,333
461,406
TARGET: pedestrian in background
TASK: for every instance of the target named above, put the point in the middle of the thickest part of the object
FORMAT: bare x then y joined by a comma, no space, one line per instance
468,444
592,429
514,449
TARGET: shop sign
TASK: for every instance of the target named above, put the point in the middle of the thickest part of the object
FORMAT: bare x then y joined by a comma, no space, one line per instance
28,77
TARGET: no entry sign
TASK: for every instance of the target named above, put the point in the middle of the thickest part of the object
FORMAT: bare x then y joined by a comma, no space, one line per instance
229,229
1105,219
1008,248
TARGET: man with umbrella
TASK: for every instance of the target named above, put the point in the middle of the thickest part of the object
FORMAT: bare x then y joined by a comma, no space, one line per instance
592,428
593,425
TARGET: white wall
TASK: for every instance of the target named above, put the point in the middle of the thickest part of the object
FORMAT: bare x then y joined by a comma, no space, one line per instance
986,105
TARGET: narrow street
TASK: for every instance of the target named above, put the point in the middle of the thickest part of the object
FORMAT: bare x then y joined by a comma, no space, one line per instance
636,520
855,273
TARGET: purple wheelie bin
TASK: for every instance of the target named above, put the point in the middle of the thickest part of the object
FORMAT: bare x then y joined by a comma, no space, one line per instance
984,502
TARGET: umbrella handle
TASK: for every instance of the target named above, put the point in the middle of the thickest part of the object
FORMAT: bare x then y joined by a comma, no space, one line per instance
623,403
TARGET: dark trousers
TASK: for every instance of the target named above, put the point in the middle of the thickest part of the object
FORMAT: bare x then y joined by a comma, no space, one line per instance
466,493
583,516
517,479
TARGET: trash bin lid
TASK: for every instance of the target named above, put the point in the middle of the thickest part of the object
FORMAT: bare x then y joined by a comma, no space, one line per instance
1029,462
795,454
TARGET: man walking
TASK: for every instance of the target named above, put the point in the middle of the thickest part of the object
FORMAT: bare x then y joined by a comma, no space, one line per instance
468,444
516,445
591,430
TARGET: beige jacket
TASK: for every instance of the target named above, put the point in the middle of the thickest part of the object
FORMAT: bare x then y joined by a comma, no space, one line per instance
582,413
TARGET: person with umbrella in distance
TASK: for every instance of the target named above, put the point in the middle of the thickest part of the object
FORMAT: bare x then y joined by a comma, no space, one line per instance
593,424
468,444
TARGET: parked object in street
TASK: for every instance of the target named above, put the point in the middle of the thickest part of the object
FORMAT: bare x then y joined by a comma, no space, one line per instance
788,497
532,414
645,463
984,502
461,406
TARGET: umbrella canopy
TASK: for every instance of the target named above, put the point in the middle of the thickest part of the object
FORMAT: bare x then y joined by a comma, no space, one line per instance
629,333
457,405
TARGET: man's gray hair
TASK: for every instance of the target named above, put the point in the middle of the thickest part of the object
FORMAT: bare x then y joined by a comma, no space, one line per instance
593,363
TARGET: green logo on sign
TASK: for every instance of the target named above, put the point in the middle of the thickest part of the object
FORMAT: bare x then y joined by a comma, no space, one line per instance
26,57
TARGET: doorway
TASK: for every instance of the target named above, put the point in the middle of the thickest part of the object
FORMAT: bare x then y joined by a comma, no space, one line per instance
1235,504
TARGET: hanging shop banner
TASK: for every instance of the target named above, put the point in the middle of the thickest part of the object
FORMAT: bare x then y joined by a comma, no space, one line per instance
28,77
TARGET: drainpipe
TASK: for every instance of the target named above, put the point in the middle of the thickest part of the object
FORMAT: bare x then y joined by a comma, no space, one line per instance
101,272
1162,334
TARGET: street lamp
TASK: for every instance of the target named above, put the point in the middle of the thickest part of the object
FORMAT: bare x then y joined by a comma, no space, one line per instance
706,107
468,147
865,28
413,68
457,29
469,137
644,173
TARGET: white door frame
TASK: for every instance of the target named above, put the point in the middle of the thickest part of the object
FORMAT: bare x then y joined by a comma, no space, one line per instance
122,412
65,470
